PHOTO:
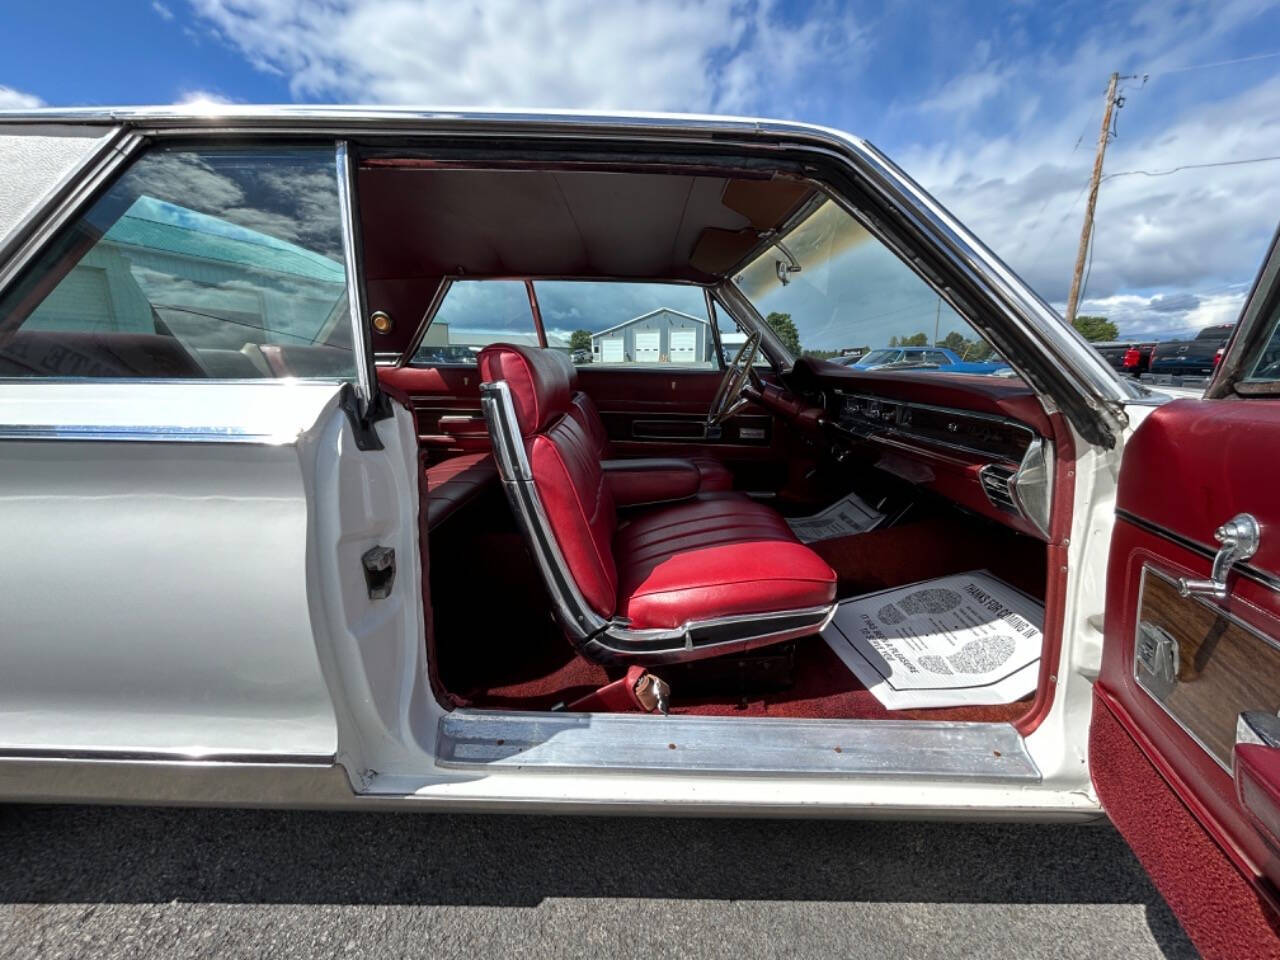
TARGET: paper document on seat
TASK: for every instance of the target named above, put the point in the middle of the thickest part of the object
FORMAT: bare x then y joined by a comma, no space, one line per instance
962,640
843,518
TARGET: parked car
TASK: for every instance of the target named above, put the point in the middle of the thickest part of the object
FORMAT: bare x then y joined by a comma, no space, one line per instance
1197,357
1130,357
925,358
257,553
581,356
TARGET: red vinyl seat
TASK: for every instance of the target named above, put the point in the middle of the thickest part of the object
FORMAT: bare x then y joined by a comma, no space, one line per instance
717,573
714,475
453,483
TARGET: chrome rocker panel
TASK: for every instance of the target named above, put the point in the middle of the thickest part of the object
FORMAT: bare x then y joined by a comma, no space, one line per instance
614,640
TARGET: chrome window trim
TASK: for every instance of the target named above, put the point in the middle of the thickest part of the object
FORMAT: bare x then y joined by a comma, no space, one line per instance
405,358
1091,394
366,379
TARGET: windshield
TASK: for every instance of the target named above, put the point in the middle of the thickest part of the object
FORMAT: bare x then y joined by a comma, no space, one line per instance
852,293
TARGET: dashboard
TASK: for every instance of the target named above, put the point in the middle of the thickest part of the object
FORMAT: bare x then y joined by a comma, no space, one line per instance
867,415
980,442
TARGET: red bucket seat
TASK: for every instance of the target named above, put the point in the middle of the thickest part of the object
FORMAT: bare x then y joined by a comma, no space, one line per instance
717,573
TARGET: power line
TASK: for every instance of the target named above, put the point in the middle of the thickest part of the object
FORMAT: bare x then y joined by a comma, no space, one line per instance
1084,285
1217,63
1189,166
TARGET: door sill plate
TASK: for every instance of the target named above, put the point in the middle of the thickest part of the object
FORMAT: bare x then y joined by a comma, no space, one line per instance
488,739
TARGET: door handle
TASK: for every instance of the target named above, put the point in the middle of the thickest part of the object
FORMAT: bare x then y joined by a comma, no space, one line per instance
1239,538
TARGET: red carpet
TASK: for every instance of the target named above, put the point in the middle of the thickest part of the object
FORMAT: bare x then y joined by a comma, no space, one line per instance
537,669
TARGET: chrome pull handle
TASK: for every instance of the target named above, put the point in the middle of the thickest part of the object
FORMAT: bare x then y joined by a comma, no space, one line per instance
1239,537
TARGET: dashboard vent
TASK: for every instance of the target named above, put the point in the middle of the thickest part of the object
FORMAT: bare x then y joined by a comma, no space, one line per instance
995,484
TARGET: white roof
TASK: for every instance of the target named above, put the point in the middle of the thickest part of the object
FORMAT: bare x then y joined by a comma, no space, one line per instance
645,316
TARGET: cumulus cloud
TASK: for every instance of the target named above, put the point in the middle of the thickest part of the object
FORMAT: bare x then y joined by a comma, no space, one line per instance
1165,246
995,115
11,99
651,54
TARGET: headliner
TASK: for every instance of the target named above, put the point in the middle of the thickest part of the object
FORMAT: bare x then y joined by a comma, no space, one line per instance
419,221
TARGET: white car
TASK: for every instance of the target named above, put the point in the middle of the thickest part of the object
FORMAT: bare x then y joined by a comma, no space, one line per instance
300,510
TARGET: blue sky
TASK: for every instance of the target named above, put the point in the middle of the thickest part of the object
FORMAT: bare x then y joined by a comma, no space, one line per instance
993,107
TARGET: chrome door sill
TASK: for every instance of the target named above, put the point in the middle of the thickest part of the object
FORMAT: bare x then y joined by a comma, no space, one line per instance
499,740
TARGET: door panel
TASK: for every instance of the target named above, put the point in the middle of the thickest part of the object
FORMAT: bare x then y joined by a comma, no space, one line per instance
662,413
446,407
1177,671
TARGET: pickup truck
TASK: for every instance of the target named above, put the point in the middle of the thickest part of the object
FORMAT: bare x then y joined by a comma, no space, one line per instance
1196,357
1129,357
926,358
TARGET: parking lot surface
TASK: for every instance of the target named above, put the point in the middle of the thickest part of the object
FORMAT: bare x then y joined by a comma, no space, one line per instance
122,882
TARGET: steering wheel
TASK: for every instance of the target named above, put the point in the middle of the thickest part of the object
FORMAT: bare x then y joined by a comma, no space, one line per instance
729,399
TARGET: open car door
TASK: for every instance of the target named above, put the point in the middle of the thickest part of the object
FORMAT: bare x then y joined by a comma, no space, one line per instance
1184,747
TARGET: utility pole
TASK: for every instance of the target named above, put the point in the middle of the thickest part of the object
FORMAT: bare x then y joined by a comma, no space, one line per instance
1087,230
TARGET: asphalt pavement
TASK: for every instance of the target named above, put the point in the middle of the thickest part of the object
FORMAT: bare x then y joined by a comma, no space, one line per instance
125,882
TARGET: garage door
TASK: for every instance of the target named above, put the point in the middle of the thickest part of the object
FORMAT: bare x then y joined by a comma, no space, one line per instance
611,351
684,346
648,343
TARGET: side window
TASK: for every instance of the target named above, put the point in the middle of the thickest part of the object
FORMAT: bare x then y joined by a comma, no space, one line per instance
629,324
1266,369
937,356
212,263
474,314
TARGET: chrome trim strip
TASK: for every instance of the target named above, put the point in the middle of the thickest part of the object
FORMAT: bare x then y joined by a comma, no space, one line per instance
141,434
366,379
487,740
166,756
610,640
1257,575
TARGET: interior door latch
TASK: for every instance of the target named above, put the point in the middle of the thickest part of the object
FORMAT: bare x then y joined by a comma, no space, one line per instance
1239,537
379,571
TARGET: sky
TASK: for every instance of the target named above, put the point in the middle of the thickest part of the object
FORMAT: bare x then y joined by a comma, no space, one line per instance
994,108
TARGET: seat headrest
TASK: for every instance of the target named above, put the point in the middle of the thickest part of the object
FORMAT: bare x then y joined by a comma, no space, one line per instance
538,380
571,369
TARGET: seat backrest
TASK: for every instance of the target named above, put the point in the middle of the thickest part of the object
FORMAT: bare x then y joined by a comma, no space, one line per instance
583,409
564,466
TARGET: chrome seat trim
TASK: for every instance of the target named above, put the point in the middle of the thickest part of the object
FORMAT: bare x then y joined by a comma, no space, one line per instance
489,740
614,640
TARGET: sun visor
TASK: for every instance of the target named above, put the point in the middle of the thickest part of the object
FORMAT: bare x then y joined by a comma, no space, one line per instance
765,203
718,251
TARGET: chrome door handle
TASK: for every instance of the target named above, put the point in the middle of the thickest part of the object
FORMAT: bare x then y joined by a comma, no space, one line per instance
1239,537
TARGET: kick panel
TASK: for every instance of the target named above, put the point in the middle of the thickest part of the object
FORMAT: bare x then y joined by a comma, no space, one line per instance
1201,664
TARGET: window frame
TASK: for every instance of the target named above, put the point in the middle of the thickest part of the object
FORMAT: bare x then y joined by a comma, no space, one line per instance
408,357
96,177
